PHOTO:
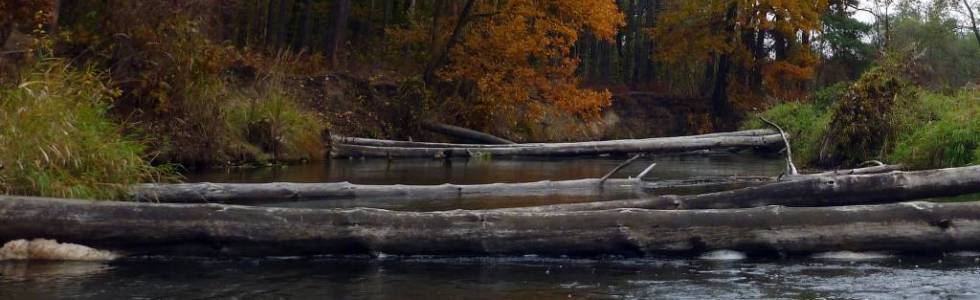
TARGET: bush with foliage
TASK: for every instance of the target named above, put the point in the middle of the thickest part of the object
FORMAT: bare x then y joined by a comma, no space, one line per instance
56,138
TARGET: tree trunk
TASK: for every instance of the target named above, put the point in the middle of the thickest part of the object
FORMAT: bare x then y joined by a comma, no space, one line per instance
651,145
464,133
719,97
440,58
246,193
816,190
336,139
334,45
213,229
973,21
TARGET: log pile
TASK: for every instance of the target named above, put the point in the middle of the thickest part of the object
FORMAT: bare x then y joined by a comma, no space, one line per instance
862,209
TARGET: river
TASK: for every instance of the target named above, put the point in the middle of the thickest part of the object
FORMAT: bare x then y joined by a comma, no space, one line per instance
719,276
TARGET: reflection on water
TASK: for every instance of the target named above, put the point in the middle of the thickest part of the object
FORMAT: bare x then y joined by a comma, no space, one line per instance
503,278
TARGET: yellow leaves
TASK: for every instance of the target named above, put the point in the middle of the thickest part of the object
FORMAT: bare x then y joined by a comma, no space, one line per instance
757,35
516,53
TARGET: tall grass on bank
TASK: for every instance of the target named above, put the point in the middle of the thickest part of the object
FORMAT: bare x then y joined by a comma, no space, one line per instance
56,139
273,125
931,130
805,122
951,139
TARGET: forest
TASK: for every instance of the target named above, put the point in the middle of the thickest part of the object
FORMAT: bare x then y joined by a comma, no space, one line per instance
98,95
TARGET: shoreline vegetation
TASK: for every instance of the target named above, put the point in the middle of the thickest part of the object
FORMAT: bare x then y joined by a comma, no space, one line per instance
882,116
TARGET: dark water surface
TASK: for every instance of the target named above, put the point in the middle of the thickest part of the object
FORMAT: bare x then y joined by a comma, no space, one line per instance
844,276
496,278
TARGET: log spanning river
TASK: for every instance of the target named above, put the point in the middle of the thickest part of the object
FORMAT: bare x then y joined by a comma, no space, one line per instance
721,275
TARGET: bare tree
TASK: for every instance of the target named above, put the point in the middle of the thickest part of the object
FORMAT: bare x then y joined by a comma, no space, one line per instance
339,13
973,20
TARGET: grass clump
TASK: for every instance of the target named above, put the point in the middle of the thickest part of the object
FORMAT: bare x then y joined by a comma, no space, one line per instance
951,139
271,121
805,122
57,140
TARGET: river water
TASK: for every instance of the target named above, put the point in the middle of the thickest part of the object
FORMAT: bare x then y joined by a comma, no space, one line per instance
721,275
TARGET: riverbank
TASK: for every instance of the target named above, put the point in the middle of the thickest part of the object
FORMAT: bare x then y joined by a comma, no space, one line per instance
883,116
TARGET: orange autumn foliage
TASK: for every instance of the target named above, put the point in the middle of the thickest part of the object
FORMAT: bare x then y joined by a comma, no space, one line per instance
700,30
515,54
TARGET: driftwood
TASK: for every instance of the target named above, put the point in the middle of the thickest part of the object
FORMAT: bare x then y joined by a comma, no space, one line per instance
866,170
464,133
239,193
830,190
651,145
249,193
338,139
790,166
135,228
246,193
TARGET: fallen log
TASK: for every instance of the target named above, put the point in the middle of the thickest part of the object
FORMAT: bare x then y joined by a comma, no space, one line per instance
252,193
249,193
338,139
651,145
464,133
135,228
823,190
866,170
241,193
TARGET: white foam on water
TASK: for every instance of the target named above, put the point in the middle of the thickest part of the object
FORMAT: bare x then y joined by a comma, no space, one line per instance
44,249
722,255
852,256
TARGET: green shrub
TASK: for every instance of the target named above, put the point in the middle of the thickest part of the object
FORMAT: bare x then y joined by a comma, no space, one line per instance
951,138
876,111
272,121
56,139
805,122
826,97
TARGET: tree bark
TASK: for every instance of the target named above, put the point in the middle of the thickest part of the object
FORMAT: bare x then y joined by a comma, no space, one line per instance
213,229
247,193
651,145
393,143
464,133
812,191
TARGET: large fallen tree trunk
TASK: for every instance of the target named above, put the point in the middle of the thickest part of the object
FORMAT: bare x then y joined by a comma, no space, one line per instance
213,229
796,193
337,139
464,133
826,190
651,145
284,191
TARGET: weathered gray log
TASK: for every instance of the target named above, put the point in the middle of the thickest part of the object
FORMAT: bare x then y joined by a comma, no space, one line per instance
212,229
790,166
239,193
464,133
865,170
338,139
250,193
829,190
651,145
